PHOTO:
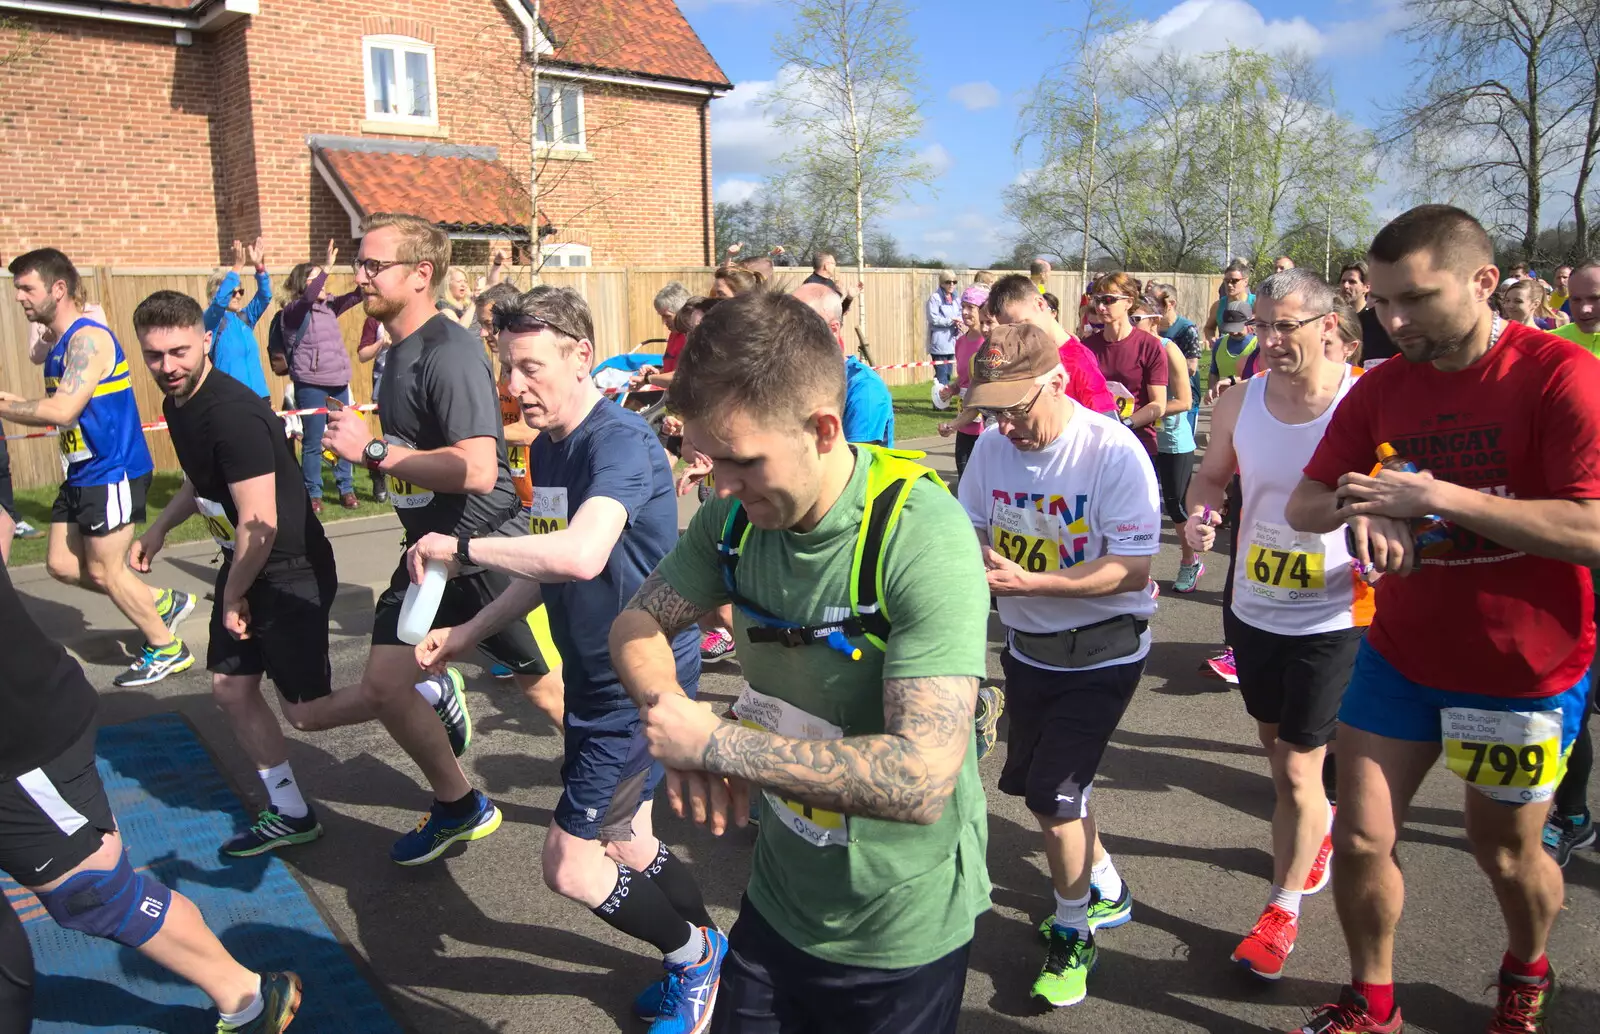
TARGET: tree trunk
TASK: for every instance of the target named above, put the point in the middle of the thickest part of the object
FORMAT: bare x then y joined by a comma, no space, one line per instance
1227,206
1530,226
1327,243
1088,188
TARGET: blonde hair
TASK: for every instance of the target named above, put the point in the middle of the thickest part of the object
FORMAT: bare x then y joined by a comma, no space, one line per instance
214,281
420,241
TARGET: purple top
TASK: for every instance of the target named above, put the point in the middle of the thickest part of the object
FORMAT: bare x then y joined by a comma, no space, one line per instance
317,354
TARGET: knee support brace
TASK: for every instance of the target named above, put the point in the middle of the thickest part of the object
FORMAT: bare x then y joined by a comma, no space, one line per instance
120,905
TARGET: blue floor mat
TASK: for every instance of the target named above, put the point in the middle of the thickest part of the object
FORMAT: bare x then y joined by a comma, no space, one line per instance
174,809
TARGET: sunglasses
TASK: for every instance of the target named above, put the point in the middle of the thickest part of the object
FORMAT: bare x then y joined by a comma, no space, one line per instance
1109,300
238,292
1234,281
1010,413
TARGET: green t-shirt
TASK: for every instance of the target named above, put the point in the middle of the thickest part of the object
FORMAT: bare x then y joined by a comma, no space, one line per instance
895,894
1571,332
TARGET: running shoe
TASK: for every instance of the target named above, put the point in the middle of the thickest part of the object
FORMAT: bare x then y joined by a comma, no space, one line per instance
1104,914
1520,1009
27,531
1064,980
991,704
718,645
280,1000
500,671
1188,577
1566,834
273,830
1270,941
155,664
1349,1015
689,993
435,832
174,606
1222,666
1317,878
452,709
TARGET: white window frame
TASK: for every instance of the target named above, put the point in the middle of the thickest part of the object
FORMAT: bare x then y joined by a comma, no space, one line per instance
560,256
400,46
559,88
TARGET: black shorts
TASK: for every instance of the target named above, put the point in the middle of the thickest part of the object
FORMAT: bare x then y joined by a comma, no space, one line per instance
289,606
100,510
1059,725
606,774
8,499
464,595
54,817
1293,681
771,987
1173,471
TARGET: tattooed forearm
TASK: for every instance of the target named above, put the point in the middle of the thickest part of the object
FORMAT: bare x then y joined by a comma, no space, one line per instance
662,602
21,412
905,775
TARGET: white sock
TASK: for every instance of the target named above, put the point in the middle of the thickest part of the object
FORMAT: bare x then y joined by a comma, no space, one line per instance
248,1013
693,950
431,691
1288,900
284,791
1073,915
1104,878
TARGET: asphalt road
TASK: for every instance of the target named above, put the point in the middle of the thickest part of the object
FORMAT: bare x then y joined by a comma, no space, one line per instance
476,943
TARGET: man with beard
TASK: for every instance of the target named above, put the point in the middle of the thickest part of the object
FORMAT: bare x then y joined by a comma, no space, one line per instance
1354,286
277,581
444,452
1477,529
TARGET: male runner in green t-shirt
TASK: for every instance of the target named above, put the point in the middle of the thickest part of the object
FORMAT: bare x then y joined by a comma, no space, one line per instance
1583,297
869,869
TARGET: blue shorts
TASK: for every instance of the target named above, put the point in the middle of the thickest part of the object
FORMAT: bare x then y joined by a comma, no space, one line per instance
1384,702
606,775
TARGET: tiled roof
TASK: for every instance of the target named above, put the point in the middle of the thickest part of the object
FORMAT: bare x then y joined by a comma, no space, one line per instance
462,189
639,37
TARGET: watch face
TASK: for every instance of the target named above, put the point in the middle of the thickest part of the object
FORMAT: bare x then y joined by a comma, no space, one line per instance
376,450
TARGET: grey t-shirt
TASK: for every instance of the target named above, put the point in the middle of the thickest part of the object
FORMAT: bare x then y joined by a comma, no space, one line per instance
438,390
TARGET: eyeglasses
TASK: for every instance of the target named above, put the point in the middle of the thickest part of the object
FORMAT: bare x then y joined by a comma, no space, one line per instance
1108,300
373,267
1012,413
1281,328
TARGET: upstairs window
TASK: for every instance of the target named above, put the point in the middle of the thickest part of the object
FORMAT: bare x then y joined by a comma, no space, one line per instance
566,255
400,79
560,117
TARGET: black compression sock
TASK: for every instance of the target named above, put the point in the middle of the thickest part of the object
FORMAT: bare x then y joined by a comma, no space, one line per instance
462,808
639,908
673,877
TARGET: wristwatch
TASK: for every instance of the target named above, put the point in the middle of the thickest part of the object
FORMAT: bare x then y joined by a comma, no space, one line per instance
374,453
463,547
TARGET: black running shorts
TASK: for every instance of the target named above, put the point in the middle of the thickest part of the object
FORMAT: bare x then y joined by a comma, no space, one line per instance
55,816
1293,681
464,596
100,510
289,606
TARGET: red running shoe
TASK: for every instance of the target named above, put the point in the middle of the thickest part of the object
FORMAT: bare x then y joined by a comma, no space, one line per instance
1318,877
1222,666
1349,1016
1520,1009
1269,944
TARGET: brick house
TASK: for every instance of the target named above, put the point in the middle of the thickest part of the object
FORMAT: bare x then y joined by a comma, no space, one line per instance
155,132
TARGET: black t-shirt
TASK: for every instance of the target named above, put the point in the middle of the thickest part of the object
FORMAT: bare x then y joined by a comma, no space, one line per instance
438,390
1375,342
225,433
818,278
45,701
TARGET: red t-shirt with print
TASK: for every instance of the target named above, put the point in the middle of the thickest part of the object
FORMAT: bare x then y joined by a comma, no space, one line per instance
1522,422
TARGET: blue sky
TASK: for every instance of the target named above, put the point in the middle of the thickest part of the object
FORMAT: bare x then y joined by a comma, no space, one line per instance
980,60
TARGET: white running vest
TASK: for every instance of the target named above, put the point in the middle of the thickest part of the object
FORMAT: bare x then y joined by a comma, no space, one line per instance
1285,581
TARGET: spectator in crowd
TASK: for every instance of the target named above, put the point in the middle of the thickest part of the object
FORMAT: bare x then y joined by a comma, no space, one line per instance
1013,299
730,280
1519,302
230,320
1346,346
824,270
1584,303
1283,262
944,326
669,301
457,300
780,257
1039,273
968,424
1235,288
1174,444
1129,355
374,349
1519,271
868,406
1559,291
305,343
984,278
1180,331
1354,285
1547,316
1054,304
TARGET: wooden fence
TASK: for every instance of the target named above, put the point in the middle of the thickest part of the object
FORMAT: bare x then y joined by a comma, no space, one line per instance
621,299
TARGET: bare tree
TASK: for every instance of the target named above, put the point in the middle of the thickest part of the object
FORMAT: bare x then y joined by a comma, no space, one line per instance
1585,145
848,89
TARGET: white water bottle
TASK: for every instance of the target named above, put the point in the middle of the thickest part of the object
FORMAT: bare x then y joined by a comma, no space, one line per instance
422,602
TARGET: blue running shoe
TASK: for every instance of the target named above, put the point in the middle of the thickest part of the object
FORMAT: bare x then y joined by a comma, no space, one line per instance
500,671
435,832
648,1004
689,993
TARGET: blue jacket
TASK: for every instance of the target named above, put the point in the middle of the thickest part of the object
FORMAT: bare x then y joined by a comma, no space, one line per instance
868,407
943,319
233,341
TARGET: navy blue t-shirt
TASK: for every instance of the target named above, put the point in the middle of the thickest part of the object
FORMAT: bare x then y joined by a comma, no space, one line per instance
613,454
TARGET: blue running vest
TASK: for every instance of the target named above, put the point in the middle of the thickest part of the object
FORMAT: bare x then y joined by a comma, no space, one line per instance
107,443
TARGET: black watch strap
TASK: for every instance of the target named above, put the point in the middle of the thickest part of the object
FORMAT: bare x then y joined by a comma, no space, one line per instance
463,547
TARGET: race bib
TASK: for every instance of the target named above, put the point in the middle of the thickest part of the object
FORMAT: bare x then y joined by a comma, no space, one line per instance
549,511
74,446
217,522
517,460
1029,538
1285,565
1511,756
816,826
403,494
1124,397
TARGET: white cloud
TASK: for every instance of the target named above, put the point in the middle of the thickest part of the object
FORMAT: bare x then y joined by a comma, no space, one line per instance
937,159
975,96
971,234
743,138
735,190
1205,26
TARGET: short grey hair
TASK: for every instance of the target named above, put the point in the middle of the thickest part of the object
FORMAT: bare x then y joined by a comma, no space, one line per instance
1314,291
561,309
671,298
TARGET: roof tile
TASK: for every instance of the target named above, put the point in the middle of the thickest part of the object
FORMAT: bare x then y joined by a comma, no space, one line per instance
458,193
642,37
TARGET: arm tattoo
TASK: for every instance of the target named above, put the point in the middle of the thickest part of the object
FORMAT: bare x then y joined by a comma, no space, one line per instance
905,774
662,602
81,352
